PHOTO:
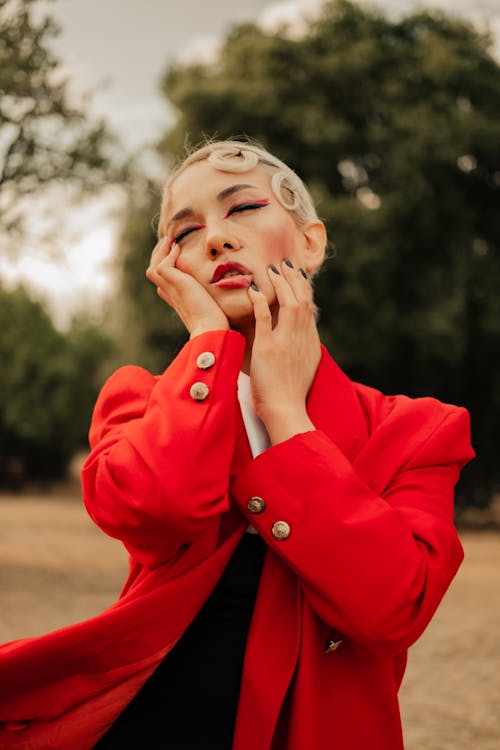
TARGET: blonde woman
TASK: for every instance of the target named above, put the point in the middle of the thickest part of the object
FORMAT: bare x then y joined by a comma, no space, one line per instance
290,531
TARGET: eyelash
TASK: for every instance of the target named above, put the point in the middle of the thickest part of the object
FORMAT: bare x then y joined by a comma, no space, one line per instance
239,208
179,237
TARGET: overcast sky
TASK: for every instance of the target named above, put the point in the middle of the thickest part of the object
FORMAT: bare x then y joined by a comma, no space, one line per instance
120,48
117,50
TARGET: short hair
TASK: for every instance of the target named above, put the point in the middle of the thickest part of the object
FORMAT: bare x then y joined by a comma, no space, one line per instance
240,156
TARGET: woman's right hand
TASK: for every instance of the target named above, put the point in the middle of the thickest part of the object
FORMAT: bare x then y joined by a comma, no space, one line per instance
193,304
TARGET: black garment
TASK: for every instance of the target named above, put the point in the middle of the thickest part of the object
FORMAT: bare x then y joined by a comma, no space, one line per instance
190,701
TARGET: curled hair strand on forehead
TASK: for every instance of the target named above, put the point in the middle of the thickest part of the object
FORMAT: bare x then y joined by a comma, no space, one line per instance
238,156
228,160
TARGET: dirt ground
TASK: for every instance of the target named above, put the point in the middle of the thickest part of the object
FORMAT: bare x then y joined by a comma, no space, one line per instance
56,568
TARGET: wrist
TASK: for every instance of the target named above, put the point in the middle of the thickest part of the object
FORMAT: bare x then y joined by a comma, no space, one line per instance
208,326
283,422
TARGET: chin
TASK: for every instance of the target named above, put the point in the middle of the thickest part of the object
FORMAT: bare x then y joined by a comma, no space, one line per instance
239,312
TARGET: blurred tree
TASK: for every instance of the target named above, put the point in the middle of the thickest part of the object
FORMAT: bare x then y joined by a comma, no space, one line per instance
45,136
395,126
48,385
148,332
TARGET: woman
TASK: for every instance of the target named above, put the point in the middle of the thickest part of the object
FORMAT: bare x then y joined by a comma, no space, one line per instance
291,532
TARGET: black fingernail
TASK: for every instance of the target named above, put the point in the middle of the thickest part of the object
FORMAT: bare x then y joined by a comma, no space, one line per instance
289,263
274,269
254,286
304,274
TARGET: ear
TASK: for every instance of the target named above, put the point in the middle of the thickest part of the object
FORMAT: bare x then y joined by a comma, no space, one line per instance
316,239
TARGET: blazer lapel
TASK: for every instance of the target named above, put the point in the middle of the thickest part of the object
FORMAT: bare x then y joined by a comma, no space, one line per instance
334,407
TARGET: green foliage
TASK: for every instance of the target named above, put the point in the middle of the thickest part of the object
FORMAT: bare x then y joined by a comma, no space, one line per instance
48,385
149,332
45,137
395,126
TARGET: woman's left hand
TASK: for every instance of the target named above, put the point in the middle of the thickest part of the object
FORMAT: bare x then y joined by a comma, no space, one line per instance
284,357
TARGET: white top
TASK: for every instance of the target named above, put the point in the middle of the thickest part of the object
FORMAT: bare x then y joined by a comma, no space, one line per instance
254,426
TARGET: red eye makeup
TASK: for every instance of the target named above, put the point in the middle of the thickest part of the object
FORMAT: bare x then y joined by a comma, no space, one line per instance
247,206
236,208
184,233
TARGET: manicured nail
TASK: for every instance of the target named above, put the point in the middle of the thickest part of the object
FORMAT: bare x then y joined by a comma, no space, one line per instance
274,269
304,274
288,263
254,286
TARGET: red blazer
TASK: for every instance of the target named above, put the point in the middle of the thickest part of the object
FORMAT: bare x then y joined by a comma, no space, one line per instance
368,497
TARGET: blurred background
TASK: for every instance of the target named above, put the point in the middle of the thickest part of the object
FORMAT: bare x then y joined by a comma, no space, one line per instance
391,114
389,111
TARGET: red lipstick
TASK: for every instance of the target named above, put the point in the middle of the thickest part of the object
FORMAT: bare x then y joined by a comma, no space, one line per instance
231,276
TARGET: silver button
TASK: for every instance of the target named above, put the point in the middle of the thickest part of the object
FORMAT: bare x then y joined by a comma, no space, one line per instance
280,530
199,391
256,505
331,646
206,360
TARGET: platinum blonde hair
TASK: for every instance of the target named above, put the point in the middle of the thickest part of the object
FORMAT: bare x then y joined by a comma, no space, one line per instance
238,157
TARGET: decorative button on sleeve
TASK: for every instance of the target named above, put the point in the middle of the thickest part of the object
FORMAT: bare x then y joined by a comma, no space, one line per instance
256,505
280,530
199,391
205,360
331,646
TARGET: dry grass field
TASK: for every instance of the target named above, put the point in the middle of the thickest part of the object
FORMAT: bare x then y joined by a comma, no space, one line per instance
57,568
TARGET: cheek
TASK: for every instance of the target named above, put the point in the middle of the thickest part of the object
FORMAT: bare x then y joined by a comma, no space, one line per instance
280,244
186,264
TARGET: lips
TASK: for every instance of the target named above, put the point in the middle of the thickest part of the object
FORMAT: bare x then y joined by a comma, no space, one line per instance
227,270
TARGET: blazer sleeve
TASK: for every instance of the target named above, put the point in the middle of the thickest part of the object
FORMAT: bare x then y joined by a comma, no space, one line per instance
374,565
159,462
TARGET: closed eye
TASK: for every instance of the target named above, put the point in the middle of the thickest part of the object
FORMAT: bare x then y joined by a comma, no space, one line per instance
239,208
184,233
246,207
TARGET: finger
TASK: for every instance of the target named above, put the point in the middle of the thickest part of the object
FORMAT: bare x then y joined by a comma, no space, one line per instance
298,280
262,313
159,251
170,259
162,294
287,300
156,272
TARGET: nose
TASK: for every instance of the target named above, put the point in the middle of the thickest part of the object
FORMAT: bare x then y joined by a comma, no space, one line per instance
219,241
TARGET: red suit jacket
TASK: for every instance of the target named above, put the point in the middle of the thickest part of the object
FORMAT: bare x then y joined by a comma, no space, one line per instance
368,498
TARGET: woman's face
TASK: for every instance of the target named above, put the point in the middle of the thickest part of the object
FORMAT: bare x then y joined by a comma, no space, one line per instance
230,228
